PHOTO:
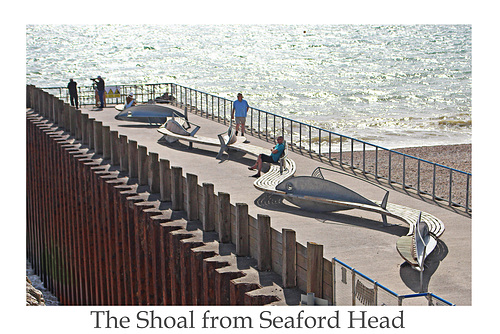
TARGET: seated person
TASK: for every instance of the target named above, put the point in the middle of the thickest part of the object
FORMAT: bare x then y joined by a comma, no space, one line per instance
272,158
130,101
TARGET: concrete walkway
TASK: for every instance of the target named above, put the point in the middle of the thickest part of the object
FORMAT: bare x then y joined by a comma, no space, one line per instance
355,237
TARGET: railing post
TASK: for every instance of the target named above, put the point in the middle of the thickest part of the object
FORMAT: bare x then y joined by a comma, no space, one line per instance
364,157
451,188
390,167
404,171
467,194
334,282
353,287
352,153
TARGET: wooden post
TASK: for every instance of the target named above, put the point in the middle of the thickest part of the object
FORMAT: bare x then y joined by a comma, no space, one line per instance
154,173
60,111
177,188
132,159
106,142
289,269
78,121
224,217
208,218
123,153
114,147
264,255
90,132
65,108
85,129
98,137
242,237
315,269
142,165
165,180
72,119
192,196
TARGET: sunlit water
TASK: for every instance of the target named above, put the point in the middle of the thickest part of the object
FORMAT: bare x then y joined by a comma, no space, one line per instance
394,86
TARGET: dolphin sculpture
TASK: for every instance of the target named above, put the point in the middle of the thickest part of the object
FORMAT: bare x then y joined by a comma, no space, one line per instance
147,113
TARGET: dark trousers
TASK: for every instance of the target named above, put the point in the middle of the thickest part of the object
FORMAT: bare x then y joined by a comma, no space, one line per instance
101,97
73,98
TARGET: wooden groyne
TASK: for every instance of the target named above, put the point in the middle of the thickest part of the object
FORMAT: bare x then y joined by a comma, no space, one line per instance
109,223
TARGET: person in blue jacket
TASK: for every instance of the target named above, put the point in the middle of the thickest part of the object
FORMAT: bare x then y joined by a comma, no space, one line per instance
239,113
271,158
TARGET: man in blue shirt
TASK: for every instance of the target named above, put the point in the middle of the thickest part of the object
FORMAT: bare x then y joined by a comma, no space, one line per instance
239,113
272,158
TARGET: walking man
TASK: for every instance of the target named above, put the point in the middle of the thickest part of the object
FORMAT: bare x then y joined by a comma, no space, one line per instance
239,113
73,93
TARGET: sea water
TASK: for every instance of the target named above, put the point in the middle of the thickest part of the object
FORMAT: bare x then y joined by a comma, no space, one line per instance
390,85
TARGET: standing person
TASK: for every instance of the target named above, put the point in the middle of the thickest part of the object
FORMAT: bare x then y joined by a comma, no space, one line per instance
271,158
73,93
239,113
96,94
101,91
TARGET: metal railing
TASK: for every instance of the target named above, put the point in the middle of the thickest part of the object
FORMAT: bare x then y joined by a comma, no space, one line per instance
440,182
350,287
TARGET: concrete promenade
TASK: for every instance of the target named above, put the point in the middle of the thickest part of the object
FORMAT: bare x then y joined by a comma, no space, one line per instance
355,237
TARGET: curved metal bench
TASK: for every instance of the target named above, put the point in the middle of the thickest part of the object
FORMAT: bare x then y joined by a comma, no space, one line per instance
314,193
277,173
172,131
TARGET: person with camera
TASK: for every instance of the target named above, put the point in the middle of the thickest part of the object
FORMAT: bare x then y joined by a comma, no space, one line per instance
101,92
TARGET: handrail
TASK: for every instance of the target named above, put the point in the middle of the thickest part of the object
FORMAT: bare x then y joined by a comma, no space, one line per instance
198,101
397,297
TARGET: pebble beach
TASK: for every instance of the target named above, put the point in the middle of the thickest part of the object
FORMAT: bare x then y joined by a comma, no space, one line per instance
458,157
454,156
